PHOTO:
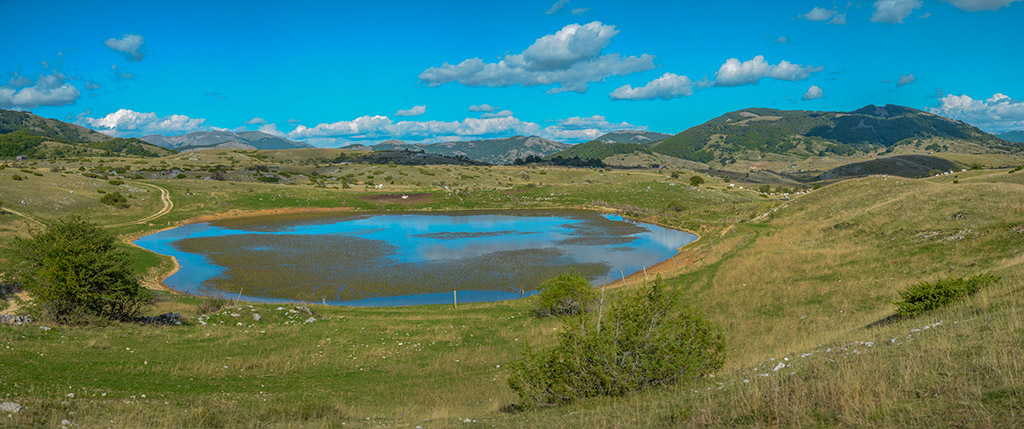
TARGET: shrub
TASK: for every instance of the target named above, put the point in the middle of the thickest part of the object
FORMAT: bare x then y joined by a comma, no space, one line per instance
75,273
646,339
115,199
15,177
696,180
115,182
212,304
569,293
925,296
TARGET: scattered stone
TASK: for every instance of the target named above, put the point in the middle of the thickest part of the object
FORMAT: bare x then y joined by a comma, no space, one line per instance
256,317
15,320
163,319
311,320
10,407
779,366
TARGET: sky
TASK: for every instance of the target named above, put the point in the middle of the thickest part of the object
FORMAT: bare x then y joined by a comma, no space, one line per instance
568,70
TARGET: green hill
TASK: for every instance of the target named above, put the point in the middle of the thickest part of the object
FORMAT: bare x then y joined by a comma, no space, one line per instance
595,149
800,133
25,134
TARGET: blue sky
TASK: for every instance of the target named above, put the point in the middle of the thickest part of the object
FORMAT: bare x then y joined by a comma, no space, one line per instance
569,70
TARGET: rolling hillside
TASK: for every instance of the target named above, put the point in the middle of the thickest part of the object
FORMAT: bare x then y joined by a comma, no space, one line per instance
25,134
757,131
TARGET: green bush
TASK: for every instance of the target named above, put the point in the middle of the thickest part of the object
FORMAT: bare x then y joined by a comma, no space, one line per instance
15,177
569,293
75,273
646,339
115,199
696,180
925,296
115,182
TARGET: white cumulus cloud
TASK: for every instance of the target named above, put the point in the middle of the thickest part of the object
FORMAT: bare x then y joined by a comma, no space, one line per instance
997,113
666,87
559,4
129,44
125,122
271,129
255,121
372,129
818,14
735,73
893,11
906,80
47,90
482,108
500,114
813,93
980,5
415,111
569,60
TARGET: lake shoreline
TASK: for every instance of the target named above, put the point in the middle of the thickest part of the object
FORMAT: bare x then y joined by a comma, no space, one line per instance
634,277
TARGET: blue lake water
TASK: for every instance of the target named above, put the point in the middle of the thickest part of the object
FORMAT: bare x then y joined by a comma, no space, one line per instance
384,259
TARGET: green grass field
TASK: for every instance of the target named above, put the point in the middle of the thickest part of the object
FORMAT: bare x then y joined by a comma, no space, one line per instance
810,286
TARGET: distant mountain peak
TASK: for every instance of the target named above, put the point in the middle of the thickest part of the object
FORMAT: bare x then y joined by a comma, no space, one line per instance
223,139
491,151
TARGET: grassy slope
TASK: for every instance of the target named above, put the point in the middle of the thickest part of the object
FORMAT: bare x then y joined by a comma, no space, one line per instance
788,286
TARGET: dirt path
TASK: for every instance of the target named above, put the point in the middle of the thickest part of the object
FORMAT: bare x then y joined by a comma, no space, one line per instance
165,198
30,218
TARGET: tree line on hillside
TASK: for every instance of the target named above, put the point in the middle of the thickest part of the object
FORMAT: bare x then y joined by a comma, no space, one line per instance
562,161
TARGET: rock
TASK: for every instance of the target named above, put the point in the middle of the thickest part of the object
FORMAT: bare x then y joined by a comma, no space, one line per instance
256,317
15,320
163,319
311,320
779,366
10,407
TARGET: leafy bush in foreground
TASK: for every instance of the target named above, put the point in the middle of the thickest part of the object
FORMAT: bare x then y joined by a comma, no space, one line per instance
74,273
569,293
926,296
647,339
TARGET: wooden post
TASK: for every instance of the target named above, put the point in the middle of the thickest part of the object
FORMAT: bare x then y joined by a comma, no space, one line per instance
187,289
455,298
623,277
645,273
600,307
239,295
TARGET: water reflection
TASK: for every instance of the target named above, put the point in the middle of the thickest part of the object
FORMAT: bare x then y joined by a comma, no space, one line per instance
406,258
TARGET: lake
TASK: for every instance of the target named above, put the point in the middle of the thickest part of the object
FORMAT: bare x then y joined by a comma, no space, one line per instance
383,259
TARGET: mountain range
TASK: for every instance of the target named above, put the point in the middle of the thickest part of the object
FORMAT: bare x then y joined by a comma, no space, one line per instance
1012,136
491,151
223,140
808,133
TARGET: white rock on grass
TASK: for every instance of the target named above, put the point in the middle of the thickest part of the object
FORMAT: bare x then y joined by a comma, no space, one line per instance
311,320
779,366
10,407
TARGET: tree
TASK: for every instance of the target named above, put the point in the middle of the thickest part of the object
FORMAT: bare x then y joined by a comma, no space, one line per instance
75,274
696,180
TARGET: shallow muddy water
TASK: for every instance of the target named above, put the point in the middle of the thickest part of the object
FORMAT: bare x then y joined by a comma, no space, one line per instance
377,259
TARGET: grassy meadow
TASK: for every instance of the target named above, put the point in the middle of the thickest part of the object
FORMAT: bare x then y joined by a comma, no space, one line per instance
803,291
